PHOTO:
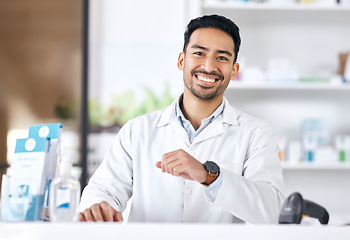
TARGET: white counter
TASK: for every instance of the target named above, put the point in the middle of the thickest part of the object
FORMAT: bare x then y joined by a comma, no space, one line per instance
106,231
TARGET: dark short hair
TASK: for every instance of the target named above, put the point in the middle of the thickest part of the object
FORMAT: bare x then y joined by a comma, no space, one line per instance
214,21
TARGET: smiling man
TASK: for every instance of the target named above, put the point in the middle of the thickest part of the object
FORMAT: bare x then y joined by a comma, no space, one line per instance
200,159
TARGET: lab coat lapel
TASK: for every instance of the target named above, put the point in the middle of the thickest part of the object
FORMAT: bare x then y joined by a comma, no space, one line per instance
179,132
213,129
229,116
169,119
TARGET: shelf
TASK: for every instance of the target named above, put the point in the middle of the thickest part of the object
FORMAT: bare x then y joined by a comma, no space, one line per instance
315,166
274,6
299,86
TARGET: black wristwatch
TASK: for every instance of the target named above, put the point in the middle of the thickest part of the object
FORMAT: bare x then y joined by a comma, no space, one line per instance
213,172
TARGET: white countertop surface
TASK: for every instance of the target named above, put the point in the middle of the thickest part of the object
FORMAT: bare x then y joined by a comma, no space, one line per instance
141,231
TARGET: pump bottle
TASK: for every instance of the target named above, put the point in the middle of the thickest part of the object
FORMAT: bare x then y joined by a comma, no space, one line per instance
64,195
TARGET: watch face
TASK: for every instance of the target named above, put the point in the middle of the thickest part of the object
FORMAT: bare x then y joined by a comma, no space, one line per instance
212,167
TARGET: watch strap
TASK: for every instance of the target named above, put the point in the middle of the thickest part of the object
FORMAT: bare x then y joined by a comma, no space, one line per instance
213,171
210,179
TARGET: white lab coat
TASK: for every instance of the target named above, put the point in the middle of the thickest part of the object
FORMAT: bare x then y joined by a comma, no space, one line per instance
243,146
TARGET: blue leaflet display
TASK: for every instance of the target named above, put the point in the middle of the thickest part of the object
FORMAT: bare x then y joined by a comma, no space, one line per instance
28,179
52,132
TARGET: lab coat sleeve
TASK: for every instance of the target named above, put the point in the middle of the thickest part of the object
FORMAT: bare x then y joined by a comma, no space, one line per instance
255,196
112,181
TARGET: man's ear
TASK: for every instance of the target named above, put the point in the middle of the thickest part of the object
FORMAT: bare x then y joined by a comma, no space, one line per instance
180,61
235,70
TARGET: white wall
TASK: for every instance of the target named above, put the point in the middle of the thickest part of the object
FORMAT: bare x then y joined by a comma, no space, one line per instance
133,43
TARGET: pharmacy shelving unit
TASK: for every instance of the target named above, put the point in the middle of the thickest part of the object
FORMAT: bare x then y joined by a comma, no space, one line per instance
290,6
312,35
315,167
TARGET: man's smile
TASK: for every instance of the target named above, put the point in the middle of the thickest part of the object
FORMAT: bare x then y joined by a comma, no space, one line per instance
207,78
204,79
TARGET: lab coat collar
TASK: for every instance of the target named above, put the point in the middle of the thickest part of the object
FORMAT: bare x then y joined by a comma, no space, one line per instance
229,115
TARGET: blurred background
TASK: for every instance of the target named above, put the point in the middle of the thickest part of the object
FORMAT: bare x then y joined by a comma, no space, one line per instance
40,71
94,64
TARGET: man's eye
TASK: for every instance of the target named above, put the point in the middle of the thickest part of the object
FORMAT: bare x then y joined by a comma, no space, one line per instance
222,58
198,53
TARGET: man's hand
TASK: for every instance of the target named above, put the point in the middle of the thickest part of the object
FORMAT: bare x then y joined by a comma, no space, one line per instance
100,212
180,163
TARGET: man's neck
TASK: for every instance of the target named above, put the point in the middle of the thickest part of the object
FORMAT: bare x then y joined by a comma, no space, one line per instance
195,109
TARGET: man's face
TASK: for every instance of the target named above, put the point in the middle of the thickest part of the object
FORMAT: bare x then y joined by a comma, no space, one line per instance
207,63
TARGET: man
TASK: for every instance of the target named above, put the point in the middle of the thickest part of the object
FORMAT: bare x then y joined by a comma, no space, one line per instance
199,160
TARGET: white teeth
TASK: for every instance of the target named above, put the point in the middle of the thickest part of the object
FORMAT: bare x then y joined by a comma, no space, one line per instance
208,80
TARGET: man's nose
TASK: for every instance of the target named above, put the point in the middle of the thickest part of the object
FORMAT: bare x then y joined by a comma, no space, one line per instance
210,64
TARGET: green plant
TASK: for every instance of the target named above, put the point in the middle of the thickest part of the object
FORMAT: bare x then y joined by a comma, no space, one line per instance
125,107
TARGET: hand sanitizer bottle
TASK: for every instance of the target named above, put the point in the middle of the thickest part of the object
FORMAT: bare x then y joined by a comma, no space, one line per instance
64,195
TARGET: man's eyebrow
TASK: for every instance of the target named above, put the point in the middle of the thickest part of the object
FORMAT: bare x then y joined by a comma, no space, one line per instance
199,46
218,51
225,52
